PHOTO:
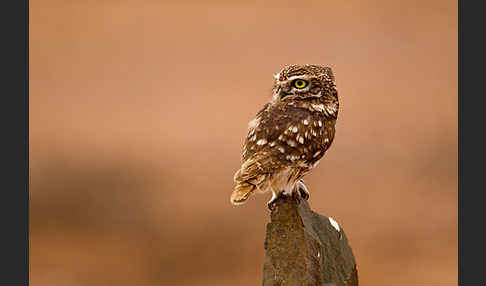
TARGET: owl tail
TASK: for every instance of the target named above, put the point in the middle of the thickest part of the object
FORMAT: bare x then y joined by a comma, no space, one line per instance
241,193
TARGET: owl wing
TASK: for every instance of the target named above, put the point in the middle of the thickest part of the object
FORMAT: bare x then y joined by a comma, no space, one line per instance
279,137
257,162
283,136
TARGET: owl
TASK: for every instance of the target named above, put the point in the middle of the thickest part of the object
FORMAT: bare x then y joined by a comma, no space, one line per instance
289,135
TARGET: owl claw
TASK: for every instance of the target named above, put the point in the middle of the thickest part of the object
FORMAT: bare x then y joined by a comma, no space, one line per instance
271,203
303,191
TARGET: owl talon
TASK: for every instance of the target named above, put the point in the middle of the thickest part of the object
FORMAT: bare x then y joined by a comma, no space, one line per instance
271,205
304,195
272,202
303,191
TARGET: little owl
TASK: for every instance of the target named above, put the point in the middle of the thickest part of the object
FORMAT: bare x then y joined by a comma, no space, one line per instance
289,135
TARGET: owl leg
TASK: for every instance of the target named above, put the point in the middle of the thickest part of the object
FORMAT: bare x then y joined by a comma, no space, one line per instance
304,192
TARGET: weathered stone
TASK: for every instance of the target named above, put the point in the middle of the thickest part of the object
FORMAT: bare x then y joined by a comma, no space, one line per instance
304,249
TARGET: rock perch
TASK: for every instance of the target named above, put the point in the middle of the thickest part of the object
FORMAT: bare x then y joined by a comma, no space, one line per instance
304,248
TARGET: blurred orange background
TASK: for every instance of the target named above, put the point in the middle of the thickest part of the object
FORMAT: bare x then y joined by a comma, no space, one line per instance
138,111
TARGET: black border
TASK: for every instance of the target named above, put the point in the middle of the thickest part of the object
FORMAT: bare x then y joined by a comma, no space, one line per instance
471,163
27,140
14,208
460,144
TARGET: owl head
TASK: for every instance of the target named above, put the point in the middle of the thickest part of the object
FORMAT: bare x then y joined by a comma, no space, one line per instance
304,82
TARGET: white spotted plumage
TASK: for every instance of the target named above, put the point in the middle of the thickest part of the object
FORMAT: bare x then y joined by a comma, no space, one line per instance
289,136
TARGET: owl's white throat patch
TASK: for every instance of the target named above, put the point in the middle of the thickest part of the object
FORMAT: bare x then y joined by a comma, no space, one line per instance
331,108
318,107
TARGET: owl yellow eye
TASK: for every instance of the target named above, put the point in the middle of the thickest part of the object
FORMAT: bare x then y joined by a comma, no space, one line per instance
300,83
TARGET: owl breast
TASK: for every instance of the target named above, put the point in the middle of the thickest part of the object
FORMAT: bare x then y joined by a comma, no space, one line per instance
290,135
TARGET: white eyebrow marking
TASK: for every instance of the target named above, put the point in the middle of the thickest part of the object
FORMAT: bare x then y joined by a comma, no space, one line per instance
296,76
